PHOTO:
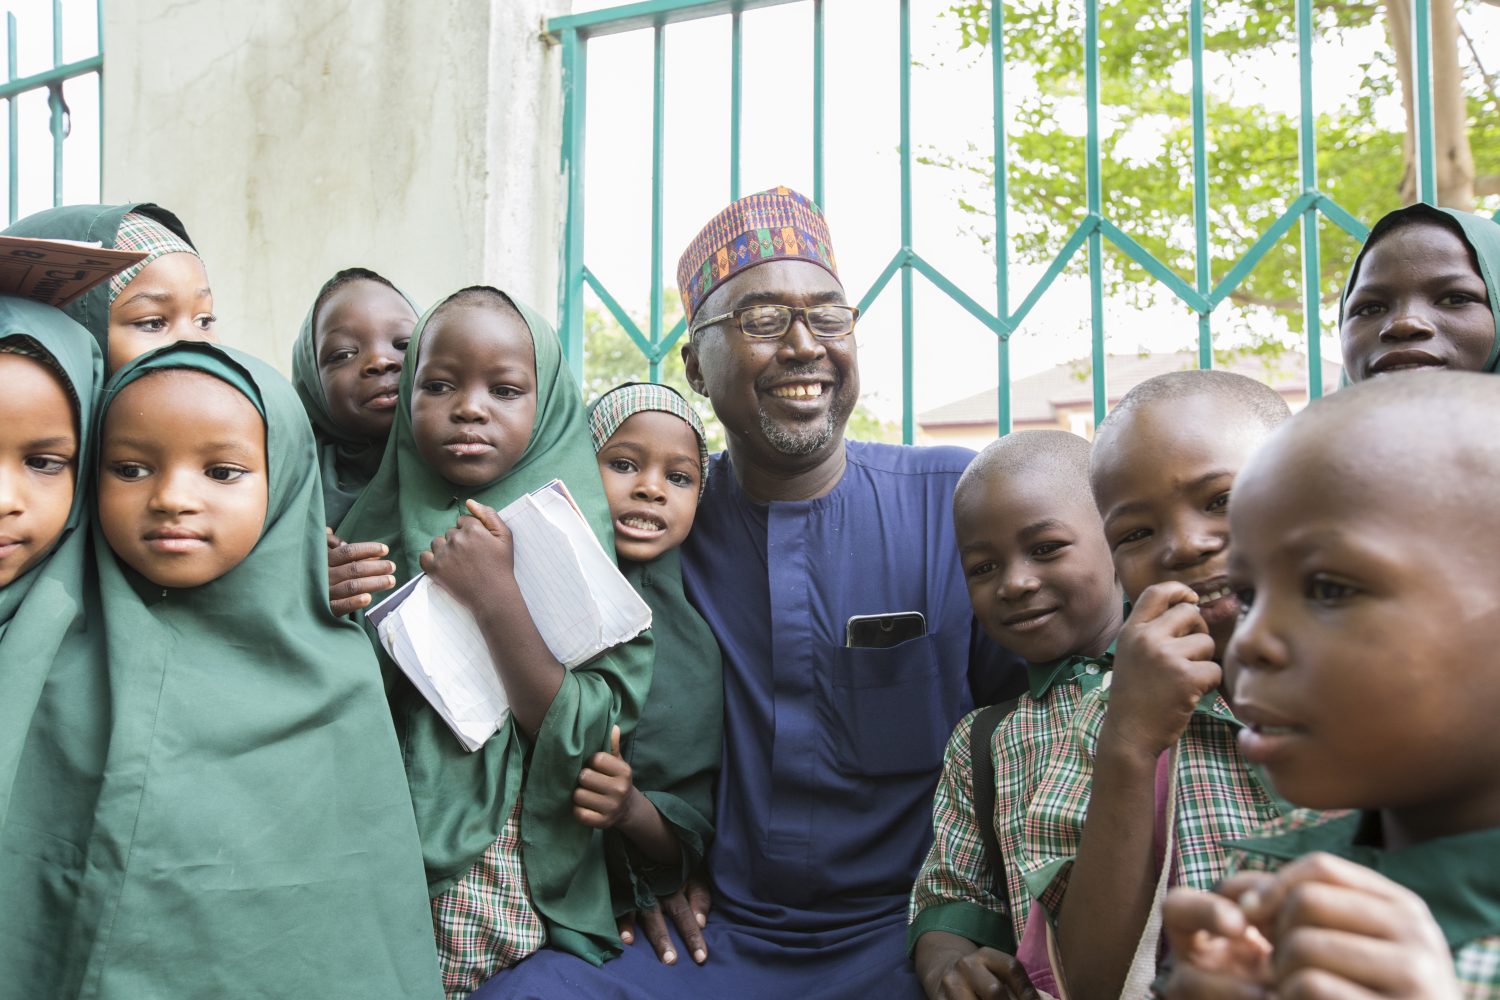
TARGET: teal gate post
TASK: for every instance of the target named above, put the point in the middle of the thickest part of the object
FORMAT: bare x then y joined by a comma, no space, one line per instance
52,81
1202,296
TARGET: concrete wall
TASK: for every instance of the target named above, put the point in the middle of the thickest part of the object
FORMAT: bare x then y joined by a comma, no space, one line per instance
298,137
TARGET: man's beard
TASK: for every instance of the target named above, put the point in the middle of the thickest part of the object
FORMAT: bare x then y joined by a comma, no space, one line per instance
800,440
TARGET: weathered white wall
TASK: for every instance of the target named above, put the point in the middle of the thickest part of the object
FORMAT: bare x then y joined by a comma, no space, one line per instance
297,137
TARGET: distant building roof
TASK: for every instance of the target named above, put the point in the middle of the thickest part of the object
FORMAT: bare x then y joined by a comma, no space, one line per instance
1037,398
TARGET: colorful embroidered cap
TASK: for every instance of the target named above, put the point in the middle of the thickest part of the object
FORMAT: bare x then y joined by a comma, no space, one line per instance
619,404
778,224
142,233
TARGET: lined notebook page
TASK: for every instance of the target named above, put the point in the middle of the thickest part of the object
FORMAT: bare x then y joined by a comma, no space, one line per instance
574,591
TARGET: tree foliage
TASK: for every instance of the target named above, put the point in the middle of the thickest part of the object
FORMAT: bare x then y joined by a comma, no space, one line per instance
1146,144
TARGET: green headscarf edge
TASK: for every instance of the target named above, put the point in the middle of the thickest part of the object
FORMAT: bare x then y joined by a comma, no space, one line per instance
1483,236
358,458
92,224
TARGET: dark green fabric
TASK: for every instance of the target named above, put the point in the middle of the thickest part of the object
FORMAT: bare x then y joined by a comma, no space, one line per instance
1482,235
53,717
1042,677
253,833
1457,877
347,462
675,750
91,224
462,799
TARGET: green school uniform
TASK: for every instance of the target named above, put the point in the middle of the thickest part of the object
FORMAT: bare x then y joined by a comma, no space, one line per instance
675,751
348,462
1457,877
92,224
53,716
1483,236
462,799
253,833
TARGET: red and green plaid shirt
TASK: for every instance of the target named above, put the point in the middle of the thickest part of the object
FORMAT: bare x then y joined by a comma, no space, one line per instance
1219,797
955,888
485,921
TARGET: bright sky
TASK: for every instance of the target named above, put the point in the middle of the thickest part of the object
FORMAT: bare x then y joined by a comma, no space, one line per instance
951,111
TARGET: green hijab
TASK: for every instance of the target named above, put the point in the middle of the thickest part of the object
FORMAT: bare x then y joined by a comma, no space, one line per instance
53,711
39,608
675,751
1481,233
92,224
462,799
348,462
253,835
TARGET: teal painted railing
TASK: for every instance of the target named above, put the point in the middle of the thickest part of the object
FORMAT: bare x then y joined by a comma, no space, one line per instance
52,81
1203,296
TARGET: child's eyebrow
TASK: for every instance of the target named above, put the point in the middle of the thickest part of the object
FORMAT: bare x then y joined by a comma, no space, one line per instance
1039,527
1447,277
50,442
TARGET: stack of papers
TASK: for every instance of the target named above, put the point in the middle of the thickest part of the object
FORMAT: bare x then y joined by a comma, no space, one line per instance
579,601
55,272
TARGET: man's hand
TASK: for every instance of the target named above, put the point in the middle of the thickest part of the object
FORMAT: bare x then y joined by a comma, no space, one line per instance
605,792
355,571
1163,666
688,910
986,974
465,560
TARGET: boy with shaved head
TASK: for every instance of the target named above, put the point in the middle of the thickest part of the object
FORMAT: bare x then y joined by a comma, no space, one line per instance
1363,673
1040,579
1142,795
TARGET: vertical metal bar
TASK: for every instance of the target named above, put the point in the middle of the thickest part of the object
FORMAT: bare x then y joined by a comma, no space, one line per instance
55,105
736,100
11,112
1200,185
906,227
1425,146
818,105
575,93
1002,222
99,27
1308,158
658,156
1095,201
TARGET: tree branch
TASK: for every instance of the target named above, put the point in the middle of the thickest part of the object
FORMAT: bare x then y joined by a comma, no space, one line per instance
1489,81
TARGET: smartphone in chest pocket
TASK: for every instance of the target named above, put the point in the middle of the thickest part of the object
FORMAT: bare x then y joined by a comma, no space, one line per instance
884,630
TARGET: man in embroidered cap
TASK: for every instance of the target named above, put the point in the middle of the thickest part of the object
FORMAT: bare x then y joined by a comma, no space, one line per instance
833,736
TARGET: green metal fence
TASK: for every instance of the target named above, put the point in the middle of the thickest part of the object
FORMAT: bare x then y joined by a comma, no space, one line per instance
52,81
1203,296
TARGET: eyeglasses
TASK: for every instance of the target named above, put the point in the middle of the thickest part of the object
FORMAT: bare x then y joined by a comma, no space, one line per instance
772,321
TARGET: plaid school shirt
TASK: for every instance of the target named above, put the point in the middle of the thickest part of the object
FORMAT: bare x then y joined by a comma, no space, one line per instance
955,890
1457,877
1219,798
485,921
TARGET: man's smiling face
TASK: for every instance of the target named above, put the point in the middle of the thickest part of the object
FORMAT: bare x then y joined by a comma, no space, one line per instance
779,398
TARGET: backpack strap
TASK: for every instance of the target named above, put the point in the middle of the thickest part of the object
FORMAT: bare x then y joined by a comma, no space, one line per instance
981,739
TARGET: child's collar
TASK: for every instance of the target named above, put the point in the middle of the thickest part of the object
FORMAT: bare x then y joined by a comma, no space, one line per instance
1457,877
1087,670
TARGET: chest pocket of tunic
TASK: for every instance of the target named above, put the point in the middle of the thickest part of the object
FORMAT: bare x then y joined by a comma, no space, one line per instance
890,709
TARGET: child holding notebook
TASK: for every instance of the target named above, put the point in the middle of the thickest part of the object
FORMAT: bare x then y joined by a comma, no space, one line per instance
487,413
655,791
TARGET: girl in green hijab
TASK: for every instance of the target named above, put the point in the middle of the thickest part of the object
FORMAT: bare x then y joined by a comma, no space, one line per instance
488,412
346,365
162,299
51,669
253,836
655,792
1424,293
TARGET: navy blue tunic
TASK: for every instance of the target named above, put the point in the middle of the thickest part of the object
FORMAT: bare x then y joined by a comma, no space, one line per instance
831,754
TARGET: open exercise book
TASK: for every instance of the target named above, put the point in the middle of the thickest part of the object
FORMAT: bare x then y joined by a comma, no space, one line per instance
572,587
